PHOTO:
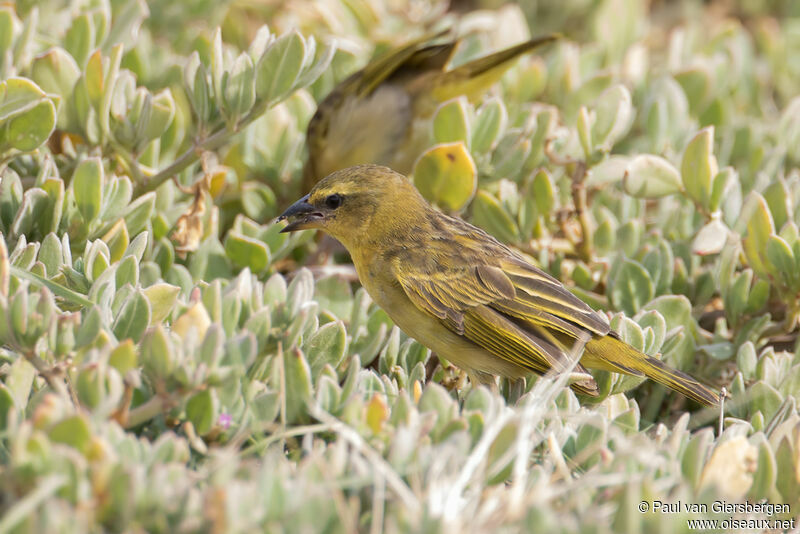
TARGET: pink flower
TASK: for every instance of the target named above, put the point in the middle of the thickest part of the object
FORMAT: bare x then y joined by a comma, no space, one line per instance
225,420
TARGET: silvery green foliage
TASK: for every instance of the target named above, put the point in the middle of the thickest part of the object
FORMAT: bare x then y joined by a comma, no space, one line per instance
167,364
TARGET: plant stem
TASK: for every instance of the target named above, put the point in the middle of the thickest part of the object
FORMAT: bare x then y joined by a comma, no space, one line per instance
585,245
213,141
153,407
46,371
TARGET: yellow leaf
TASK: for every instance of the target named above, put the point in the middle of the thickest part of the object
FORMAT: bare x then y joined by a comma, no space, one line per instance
731,468
377,413
446,175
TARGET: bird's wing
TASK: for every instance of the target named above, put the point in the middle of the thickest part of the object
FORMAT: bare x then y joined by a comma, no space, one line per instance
418,55
497,300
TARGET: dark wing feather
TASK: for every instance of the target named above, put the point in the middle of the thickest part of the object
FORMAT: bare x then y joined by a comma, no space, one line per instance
416,56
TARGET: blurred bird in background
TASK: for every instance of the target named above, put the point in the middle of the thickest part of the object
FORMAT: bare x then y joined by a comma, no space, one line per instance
379,114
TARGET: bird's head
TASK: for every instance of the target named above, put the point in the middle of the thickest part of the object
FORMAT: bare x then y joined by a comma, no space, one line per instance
358,203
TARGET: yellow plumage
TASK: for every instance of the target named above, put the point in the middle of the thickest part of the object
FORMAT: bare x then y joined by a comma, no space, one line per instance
463,294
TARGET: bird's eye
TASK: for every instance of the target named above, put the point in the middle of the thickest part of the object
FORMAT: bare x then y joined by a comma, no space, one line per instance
333,201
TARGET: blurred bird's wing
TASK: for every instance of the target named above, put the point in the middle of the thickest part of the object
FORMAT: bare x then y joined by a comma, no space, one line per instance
333,132
478,288
416,56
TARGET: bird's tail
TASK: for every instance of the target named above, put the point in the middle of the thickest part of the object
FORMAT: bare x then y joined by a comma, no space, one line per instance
473,78
612,354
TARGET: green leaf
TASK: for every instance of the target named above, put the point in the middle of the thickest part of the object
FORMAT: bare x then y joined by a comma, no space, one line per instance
722,184
445,174
779,201
124,358
711,238
699,166
696,82
73,431
156,352
25,128
50,254
765,472
328,345
17,97
629,331
51,219
764,398
782,259
211,349
91,324
511,153
133,318
258,201
96,260
631,288
544,193
737,295
278,69
247,252
127,272
488,214
90,385
649,176
197,84
786,480
239,87
759,294
19,381
490,122
159,117
8,22
201,411
139,212
56,72
656,322
746,360
759,229
450,124
34,203
608,171
137,246
162,298
605,236
298,386
613,116
87,186
6,407
80,38
695,455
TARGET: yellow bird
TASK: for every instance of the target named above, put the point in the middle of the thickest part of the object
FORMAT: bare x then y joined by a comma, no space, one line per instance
462,293
378,115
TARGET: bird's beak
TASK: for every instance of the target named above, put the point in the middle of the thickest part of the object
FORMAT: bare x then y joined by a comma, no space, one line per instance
301,215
